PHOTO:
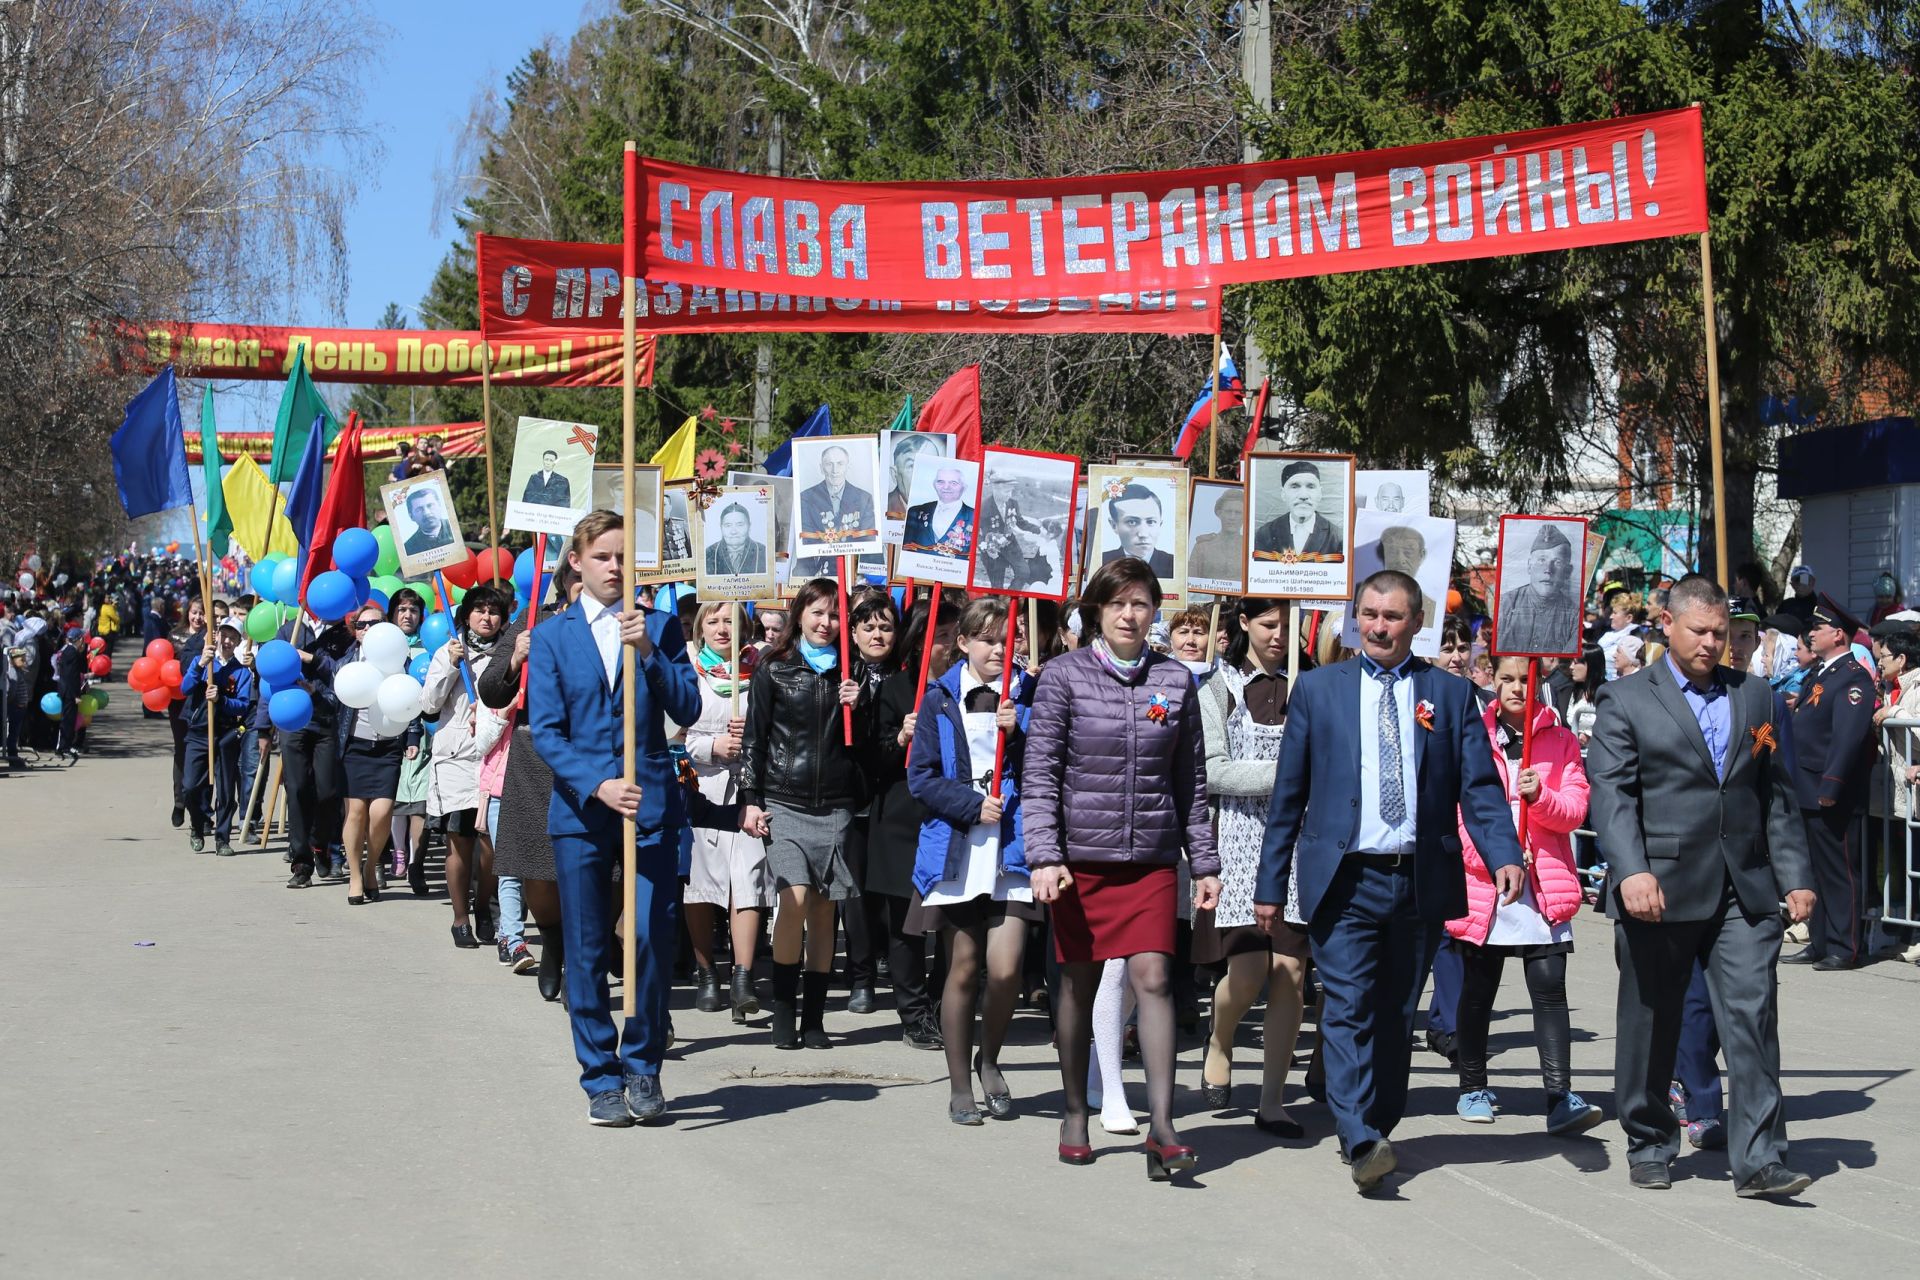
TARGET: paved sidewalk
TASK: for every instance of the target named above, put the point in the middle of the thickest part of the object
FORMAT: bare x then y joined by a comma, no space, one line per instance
282,1085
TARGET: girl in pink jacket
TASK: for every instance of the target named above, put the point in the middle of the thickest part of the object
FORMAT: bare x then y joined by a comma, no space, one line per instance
1538,928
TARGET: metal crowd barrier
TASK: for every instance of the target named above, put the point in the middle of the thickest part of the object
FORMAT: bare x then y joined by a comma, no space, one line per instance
1889,857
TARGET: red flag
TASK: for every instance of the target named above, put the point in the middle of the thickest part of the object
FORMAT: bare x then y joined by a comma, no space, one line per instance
955,408
1248,445
345,504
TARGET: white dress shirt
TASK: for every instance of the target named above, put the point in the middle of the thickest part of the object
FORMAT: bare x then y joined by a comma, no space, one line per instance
1302,527
944,514
1374,835
603,620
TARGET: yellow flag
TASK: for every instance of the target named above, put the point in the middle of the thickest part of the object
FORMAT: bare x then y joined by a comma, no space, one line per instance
676,455
257,509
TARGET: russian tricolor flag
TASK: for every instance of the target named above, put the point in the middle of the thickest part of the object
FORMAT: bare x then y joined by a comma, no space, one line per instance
1227,393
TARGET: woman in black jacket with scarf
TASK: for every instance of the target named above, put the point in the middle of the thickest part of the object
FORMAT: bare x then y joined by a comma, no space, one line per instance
800,785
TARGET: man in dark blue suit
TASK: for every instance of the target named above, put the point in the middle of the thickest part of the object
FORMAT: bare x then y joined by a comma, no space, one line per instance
1370,840
574,713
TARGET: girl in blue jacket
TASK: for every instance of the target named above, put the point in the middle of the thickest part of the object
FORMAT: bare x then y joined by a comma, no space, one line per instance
970,870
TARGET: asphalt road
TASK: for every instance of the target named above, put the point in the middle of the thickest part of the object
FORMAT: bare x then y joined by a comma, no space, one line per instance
204,1074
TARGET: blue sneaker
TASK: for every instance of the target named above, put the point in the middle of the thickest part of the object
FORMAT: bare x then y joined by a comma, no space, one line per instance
1475,1107
1573,1114
1707,1135
609,1110
645,1099
1677,1099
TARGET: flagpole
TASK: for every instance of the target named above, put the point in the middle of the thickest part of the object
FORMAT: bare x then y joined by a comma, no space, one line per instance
206,613
630,673
486,434
1213,391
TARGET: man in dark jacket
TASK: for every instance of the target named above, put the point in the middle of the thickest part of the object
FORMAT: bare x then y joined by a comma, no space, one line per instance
217,683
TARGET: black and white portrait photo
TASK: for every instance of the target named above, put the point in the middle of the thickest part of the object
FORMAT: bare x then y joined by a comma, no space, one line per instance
1023,522
1217,532
1536,610
1420,547
425,533
899,452
643,528
551,483
677,560
1299,525
1400,493
780,489
736,562
1139,511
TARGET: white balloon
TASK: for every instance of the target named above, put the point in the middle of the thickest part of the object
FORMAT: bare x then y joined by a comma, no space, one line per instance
357,684
385,646
35,563
400,698
26,580
385,728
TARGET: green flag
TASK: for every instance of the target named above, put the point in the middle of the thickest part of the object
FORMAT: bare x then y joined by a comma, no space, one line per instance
219,523
300,404
903,420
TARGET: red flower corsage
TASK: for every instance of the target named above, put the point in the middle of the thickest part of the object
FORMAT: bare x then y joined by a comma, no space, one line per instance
1423,716
1157,707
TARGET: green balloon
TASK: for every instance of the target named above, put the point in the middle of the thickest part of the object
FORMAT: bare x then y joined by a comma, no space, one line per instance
99,696
89,703
262,621
456,593
388,562
388,584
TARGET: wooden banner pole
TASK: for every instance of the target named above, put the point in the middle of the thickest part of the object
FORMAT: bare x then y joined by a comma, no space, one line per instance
1213,389
733,664
486,434
1293,647
253,798
201,561
630,667
1716,442
274,794
1033,635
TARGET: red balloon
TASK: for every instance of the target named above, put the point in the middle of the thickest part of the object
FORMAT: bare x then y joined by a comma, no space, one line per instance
96,644
143,674
173,693
160,650
170,673
461,574
484,564
100,665
156,699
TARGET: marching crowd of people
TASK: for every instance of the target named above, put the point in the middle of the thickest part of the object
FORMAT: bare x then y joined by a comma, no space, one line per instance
1113,820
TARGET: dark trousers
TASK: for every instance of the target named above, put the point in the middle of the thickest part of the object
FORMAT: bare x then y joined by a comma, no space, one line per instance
1480,969
914,984
1442,1013
1373,952
1696,1062
584,866
310,771
1835,927
69,725
178,725
213,803
1740,954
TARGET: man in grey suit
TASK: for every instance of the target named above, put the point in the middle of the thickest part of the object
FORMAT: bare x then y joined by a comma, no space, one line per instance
1694,805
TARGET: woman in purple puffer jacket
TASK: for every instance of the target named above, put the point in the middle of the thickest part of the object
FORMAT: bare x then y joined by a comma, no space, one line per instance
1116,791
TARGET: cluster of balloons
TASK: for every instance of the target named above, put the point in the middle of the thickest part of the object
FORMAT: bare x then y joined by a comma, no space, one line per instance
155,676
381,681
99,665
276,664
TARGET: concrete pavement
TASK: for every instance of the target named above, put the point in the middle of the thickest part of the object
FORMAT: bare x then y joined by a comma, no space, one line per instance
283,1085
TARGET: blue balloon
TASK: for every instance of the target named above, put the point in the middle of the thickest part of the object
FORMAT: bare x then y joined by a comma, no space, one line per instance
523,572
51,704
331,595
290,709
377,597
354,552
286,582
278,663
417,668
265,691
363,592
435,631
261,579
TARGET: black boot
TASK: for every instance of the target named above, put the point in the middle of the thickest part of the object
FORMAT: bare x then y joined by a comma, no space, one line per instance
813,1011
707,980
553,957
786,983
745,1004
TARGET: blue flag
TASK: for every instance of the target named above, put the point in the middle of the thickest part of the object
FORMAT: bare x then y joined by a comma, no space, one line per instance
780,461
150,451
308,488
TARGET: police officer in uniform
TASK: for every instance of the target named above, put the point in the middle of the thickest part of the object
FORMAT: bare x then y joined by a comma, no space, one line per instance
1834,744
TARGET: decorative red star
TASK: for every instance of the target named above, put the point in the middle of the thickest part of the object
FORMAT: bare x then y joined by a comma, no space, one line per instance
733,448
726,425
708,413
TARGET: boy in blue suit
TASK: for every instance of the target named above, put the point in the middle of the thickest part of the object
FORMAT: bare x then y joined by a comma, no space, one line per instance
574,714
1370,836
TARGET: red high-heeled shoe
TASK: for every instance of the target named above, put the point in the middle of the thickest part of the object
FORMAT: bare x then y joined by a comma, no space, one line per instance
1164,1162
1075,1155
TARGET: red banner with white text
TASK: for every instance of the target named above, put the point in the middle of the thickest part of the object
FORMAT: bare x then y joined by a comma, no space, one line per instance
1179,232
393,357
529,288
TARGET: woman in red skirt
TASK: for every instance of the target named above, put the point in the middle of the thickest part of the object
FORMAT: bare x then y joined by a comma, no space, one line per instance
1116,792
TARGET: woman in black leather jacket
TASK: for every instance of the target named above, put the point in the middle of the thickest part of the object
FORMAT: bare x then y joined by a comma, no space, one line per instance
800,784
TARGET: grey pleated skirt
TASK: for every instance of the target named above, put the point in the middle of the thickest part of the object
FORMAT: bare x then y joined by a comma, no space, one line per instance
807,847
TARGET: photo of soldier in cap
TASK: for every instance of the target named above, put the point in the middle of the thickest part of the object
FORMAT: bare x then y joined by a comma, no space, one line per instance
1537,594
1300,530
